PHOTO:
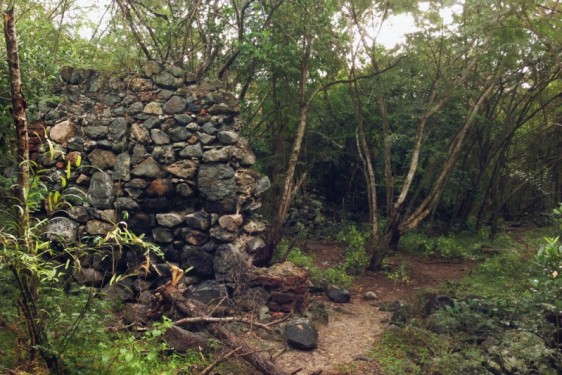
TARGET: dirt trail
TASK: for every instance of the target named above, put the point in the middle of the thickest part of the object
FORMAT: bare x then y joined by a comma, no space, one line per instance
353,327
343,343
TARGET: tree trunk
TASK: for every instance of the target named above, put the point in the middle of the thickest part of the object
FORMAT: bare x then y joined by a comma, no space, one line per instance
366,159
290,186
389,181
131,23
20,120
454,151
27,282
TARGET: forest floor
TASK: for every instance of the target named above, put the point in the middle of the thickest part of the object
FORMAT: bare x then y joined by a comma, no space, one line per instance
347,338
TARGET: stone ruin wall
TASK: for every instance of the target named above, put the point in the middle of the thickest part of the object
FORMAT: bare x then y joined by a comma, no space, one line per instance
165,149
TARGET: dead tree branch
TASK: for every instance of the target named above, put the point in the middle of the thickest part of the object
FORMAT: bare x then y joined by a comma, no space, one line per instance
196,312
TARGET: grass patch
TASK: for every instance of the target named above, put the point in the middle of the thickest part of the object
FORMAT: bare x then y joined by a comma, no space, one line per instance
463,245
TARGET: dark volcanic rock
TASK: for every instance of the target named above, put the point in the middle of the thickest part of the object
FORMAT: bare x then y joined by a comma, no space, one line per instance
301,334
174,105
148,168
216,181
208,292
338,295
199,259
122,170
199,220
229,263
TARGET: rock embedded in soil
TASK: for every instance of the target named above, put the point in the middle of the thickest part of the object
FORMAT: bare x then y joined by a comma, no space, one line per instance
301,334
370,296
338,295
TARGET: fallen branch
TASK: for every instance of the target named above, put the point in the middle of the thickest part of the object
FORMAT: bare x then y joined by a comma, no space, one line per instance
258,361
194,311
278,321
228,319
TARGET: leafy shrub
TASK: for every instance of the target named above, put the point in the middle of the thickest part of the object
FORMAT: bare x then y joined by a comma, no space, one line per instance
407,350
147,354
355,256
337,276
547,283
400,274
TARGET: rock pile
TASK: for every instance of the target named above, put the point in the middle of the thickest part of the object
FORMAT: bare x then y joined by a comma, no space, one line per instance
286,285
161,152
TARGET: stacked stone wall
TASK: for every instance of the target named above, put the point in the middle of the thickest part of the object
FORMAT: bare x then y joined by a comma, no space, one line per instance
160,152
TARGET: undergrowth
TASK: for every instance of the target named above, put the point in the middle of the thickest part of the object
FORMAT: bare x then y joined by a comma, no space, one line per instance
354,262
329,276
83,331
503,319
462,245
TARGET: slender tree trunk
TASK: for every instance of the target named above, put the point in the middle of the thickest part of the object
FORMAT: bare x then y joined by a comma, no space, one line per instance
389,181
27,283
454,151
20,120
131,23
290,186
368,168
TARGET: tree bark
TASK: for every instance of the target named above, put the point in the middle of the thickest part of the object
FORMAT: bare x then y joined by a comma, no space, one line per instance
20,120
366,158
27,283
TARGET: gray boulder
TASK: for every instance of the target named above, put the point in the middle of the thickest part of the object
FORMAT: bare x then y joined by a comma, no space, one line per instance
62,229
208,292
148,168
122,170
199,259
230,263
198,220
216,181
301,334
101,192
175,104
338,295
